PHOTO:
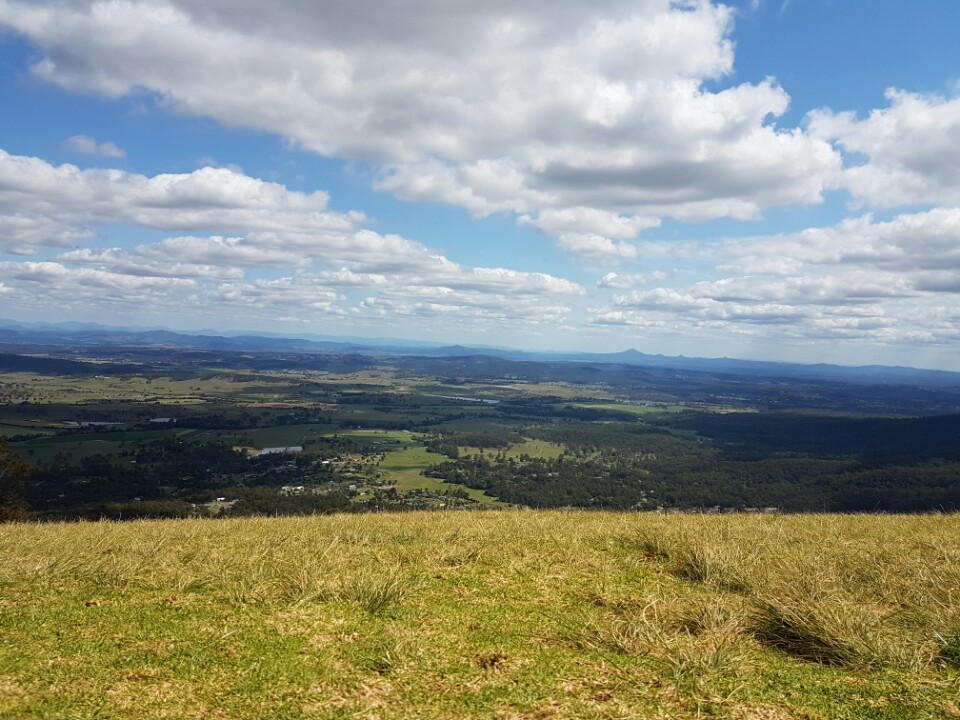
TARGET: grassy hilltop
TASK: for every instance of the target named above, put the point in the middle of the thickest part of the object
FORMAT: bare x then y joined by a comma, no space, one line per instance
506,614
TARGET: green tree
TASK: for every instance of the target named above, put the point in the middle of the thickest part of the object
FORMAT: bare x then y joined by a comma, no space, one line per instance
12,472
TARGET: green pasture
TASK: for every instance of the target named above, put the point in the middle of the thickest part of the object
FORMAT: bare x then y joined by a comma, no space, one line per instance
73,389
284,435
73,451
629,408
402,469
347,414
563,390
83,444
532,448
453,408
374,439
480,424
11,426
536,449
373,434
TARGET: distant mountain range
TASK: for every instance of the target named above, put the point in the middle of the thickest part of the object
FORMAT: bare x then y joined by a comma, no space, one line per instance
92,335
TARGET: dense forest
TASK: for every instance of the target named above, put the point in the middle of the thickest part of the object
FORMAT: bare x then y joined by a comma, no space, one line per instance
795,463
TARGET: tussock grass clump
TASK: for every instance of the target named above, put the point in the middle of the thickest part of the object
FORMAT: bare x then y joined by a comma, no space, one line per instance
719,566
721,554
378,590
829,589
692,640
829,632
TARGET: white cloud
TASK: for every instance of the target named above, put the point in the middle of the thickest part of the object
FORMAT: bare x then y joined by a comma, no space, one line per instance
912,149
882,284
626,318
86,145
625,282
317,259
590,220
596,247
26,234
457,296
601,107
770,294
53,205
223,252
116,260
908,244
62,283
591,122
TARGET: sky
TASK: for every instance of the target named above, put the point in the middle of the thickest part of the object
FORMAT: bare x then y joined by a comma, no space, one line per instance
761,179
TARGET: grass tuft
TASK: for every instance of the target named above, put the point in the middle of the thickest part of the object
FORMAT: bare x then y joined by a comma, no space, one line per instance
812,631
384,655
378,590
711,565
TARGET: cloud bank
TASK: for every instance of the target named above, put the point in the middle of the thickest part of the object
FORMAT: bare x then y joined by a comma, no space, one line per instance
592,121
331,255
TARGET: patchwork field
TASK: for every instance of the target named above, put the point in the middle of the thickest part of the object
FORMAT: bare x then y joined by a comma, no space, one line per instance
403,470
511,614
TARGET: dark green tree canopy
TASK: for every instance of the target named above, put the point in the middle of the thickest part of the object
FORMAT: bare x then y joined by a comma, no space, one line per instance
12,472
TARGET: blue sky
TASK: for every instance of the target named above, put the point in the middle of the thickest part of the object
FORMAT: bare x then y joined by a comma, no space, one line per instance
773,179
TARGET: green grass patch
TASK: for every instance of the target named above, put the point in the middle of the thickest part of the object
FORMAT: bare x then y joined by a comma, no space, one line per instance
535,448
285,435
83,444
479,424
366,435
650,409
70,389
531,448
402,469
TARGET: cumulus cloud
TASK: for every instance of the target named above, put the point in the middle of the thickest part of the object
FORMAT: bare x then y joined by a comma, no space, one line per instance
583,220
912,149
888,283
487,301
591,122
205,199
596,247
624,282
116,260
908,244
318,260
731,295
600,107
25,234
86,145
61,282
